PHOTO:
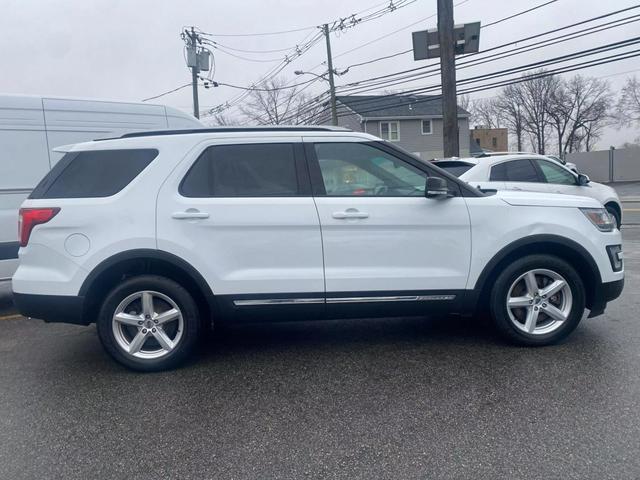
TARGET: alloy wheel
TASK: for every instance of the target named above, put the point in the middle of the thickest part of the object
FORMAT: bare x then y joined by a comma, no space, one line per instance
539,301
147,325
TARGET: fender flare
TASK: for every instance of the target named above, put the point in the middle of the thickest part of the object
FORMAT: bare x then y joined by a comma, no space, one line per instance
533,240
143,253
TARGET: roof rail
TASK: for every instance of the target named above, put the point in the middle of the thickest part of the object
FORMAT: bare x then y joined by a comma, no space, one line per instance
274,128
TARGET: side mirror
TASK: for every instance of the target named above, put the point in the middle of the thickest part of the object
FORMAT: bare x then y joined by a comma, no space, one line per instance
583,179
436,187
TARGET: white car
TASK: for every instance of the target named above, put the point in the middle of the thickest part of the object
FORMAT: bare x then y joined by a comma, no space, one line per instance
531,172
154,236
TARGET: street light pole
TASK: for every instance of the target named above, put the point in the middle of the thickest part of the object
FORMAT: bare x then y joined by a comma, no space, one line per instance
332,88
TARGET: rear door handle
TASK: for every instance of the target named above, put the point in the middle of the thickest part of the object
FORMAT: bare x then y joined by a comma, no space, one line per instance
350,213
190,213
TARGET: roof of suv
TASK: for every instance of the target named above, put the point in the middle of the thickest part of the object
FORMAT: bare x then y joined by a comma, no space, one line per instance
268,128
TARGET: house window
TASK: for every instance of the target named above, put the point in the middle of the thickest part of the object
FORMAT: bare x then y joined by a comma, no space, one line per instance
426,127
494,142
390,131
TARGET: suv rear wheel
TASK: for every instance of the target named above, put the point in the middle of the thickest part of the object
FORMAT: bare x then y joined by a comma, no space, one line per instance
537,300
149,323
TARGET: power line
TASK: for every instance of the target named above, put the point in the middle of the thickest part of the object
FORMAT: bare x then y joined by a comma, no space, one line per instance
518,14
337,25
473,61
398,79
167,92
520,40
256,89
281,32
522,68
404,52
500,83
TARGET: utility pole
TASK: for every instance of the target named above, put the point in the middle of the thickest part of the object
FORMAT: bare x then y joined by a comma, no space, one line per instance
448,78
193,37
332,87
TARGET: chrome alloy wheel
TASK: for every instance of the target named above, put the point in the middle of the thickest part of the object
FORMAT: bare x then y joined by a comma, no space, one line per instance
539,301
147,325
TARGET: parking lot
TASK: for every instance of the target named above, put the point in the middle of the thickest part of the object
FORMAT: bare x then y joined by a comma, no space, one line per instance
393,398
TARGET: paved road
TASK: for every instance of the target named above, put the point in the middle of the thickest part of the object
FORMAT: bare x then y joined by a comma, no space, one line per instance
395,398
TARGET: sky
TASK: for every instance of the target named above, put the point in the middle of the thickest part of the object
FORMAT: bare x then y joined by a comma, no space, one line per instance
129,50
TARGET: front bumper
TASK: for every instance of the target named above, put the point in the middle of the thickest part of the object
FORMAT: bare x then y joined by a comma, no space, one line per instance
51,308
604,293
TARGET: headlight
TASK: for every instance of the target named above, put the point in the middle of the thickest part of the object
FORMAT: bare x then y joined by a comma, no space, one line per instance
600,218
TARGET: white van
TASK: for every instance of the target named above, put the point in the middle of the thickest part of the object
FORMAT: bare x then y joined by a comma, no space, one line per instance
31,127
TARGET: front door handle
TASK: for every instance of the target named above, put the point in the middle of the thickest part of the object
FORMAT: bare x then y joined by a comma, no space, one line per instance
190,213
350,213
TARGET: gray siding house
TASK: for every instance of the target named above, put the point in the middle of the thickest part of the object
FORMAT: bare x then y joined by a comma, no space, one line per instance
414,122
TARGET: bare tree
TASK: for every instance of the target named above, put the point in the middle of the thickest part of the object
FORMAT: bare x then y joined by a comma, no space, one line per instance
628,108
579,110
534,95
273,102
485,112
511,112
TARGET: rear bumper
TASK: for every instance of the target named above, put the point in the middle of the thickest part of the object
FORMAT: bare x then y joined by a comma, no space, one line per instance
606,292
51,308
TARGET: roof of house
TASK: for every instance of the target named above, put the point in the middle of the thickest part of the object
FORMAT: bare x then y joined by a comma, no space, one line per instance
395,105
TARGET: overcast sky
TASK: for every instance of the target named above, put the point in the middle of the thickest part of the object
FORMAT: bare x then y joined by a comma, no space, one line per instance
131,49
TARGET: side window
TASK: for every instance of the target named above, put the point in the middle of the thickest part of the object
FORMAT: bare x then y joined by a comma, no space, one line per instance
248,170
93,174
390,131
521,170
426,127
555,174
350,169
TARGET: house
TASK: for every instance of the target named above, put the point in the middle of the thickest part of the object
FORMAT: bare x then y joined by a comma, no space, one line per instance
492,139
414,122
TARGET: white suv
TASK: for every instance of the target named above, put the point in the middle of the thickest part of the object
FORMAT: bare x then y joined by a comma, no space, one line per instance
154,236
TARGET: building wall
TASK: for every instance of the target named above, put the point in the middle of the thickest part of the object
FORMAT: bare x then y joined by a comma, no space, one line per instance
426,146
494,139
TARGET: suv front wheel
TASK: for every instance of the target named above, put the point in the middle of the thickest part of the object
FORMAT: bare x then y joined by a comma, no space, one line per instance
149,323
537,300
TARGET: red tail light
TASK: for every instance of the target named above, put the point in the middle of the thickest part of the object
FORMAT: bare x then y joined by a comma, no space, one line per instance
29,218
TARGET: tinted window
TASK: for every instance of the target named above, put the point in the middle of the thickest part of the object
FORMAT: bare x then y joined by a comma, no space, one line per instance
358,169
454,168
97,173
555,174
515,171
252,170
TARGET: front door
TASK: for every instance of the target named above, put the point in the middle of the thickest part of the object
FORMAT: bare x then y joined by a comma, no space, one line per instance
383,240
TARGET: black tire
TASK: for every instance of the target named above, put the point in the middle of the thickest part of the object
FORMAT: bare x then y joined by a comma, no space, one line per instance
614,212
191,327
500,292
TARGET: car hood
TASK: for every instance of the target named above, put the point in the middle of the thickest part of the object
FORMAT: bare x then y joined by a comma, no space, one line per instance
536,199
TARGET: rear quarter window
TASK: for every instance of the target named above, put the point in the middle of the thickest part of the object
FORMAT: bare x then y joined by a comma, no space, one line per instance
93,174
455,168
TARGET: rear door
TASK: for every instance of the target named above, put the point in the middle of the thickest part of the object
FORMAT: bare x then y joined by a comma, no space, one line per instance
384,242
241,212
520,174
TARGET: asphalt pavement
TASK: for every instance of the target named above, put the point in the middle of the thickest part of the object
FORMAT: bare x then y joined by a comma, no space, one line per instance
393,398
